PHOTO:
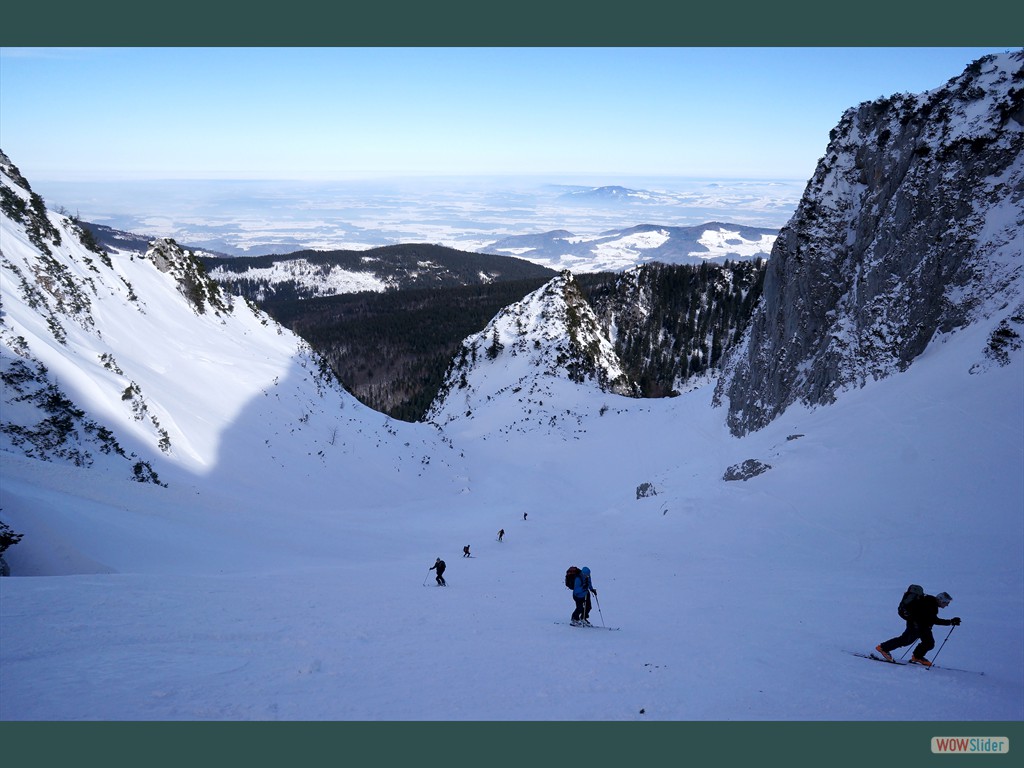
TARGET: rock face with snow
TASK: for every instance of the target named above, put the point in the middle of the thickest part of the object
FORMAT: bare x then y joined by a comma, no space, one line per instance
550,335
911,227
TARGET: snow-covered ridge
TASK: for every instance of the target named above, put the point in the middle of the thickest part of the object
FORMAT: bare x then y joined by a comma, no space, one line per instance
140,364
549,339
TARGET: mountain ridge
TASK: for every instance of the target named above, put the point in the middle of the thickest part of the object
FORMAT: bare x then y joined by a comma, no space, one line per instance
94,346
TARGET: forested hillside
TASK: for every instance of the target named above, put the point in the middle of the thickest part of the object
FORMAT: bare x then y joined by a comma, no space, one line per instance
309,274
391,350
673,322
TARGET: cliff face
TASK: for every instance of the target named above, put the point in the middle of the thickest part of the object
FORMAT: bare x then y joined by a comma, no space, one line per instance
910,227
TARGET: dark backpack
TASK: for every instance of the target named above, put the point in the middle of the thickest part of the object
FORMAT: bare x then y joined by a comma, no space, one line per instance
570,576
913,592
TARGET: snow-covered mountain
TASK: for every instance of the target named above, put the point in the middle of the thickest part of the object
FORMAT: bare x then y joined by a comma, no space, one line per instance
612,193
911,229
616,250
527,354
143,365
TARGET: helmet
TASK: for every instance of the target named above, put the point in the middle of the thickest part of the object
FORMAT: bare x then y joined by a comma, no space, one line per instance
585,570
438,560
944,599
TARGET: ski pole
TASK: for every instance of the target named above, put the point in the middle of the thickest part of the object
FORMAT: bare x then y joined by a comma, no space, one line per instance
599,609
426,577
943,643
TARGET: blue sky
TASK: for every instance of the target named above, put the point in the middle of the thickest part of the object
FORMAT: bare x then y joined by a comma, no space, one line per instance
343,113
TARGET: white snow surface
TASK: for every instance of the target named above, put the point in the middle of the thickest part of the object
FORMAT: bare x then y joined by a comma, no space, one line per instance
722,242
282,574
616,253
321,280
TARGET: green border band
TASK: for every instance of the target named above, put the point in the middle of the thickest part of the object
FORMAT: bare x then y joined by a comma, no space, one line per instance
524,23
449,745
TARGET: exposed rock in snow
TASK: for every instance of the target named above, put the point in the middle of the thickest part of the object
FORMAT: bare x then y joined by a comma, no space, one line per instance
746,470
910,228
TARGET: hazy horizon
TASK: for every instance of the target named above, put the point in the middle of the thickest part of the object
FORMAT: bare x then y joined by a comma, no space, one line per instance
250,217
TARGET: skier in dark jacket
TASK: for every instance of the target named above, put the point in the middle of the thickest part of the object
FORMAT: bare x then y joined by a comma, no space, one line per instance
439,567
465,551
581,589
923,613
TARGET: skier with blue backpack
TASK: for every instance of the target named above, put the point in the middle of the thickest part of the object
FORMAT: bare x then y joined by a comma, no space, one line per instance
581,589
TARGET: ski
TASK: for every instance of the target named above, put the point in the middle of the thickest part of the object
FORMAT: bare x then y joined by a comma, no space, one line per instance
587,626
873,657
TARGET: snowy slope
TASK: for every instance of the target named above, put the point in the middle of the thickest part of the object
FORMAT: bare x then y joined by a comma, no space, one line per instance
315,278
735,600
169,368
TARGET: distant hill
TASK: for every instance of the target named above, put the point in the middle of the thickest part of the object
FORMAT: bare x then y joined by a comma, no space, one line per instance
310,274
620,249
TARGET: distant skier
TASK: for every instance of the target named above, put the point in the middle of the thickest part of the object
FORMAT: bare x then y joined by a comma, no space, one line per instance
524,515
922,614
501,534
465,551
581,595
439,567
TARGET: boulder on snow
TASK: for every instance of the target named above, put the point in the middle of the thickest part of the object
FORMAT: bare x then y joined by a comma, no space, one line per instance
746,470
644,490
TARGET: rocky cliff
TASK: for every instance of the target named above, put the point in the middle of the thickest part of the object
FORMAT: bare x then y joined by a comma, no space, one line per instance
910,228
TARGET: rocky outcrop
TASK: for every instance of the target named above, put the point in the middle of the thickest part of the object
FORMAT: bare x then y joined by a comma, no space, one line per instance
551,334
910,227
746,470
194,284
